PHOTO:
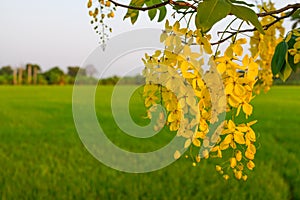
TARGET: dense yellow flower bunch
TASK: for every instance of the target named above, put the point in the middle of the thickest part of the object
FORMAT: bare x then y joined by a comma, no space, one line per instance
239,79
263,46
195,100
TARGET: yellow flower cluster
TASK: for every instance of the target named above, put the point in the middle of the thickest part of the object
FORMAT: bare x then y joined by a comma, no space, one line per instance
240,138
103,4
195,100
99,11
239,79
295,51
263,47
239,75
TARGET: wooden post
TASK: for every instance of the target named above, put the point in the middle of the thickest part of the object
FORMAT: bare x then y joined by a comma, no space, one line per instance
29,74
35,75
15,81
20,76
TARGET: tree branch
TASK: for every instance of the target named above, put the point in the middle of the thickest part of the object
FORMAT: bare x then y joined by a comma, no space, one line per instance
171,2
267,26
141,8
183,4
186,4
290,6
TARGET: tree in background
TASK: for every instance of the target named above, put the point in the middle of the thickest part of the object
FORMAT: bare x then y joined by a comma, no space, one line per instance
90,70
6,70
243,73
109,81
6,75
55,76
73,71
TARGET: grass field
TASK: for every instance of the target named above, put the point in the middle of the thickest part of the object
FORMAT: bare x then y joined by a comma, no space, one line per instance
42,157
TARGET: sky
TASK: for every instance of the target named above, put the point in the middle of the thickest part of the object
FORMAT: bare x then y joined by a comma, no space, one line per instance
57,32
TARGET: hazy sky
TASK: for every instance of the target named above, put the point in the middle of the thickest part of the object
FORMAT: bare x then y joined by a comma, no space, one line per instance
55,32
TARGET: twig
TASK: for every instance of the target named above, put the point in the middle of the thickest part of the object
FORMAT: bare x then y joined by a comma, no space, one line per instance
171,2
266,27
141,8
290,6
183,4
295,7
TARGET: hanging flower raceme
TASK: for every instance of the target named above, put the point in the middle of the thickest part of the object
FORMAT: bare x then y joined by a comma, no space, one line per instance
100,11
263,47
197,101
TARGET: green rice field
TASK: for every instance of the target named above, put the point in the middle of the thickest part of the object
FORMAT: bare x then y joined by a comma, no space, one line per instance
42,157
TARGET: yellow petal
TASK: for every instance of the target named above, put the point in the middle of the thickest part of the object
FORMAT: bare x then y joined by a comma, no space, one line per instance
238,49
242,128
250,135
251,123
221,68
229,52
219,153
247,109
196,142
249,155
234,101
177,154
241,41
238,155
251,148
215,148
224,146
239,90
250,165
187,143
231,125
246,60
229,88
226,177
244,177
238,174
238,110
239,137
233,144
218,168
232,162
228,139
174,126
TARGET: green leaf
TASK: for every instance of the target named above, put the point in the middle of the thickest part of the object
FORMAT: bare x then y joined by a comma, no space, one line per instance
242,2
134,14
278,60
162,10
291,42
210,12
162,13
296,15
285,72
151,12
247,15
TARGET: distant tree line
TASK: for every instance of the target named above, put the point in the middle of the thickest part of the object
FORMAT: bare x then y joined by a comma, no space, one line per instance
127,80
32,74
